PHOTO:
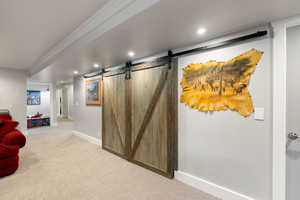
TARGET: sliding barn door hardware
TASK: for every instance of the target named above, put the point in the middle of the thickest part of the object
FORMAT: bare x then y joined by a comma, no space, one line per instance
102,73
170,55
128,70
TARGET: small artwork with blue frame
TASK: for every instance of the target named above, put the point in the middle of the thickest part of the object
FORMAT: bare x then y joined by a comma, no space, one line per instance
33,97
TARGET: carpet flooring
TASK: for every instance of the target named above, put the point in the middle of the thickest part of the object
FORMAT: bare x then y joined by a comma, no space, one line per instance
56,165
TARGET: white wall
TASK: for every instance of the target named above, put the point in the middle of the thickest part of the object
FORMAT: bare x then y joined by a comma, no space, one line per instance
65,101
70,94
223,147
53,104
87,119
66,93
58,97
13,94
293,112
44,108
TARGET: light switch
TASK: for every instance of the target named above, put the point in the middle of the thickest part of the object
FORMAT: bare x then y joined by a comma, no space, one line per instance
259,114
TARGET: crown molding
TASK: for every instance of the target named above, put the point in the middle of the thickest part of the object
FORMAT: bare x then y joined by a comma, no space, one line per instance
113,13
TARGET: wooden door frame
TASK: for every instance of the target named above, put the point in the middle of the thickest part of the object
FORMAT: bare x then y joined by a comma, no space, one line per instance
172,115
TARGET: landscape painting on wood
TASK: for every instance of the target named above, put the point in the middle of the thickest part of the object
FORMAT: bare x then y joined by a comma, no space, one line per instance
93,92
214,86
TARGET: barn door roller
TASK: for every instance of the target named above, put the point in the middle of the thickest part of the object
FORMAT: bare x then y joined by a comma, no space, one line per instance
128,70
170,54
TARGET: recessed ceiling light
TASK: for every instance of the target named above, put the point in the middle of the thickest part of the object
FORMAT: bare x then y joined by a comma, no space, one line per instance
76,72
131,53
201,31
61,81
96,65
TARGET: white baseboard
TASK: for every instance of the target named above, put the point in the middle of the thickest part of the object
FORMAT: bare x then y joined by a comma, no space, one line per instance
90,139
54,125
210,188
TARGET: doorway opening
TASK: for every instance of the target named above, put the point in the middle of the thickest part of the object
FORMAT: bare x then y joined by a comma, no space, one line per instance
293,114
65,102
38,105
283,96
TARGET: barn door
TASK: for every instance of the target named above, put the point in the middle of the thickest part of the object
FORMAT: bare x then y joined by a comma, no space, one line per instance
153,108
114,127
140,116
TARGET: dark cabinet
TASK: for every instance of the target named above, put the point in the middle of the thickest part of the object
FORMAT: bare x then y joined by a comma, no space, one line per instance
40,122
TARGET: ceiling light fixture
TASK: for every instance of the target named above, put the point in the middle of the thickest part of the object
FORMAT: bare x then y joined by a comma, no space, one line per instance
201,31
131,53
96,65
76,72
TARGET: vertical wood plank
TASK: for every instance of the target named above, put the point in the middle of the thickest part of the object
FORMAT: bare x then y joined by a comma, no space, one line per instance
172,118
175,104
128,102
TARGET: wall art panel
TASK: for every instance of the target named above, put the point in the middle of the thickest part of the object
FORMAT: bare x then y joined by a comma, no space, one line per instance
214,86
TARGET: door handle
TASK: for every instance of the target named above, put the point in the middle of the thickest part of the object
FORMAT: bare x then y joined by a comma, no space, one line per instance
293,136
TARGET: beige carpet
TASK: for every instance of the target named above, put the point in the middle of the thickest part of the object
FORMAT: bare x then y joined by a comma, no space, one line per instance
56,165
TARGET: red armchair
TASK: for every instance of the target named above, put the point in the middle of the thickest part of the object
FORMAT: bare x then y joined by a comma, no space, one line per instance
9,159
11,140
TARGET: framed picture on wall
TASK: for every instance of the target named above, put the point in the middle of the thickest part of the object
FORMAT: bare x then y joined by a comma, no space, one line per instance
33,97
93,92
